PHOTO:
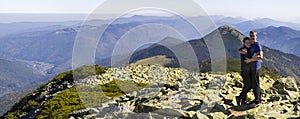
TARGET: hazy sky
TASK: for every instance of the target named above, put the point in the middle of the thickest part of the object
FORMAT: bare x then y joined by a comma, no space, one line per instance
287,10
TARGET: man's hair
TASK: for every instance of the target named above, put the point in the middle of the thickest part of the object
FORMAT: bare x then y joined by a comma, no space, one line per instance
246,38
253,32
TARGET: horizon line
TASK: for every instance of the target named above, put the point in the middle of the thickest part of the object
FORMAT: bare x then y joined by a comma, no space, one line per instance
84,15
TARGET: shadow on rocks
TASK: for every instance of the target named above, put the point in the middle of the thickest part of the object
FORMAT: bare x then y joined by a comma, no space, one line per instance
217,108
241,108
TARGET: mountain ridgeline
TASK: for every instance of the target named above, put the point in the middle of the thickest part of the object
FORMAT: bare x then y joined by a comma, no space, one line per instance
20,77
281,38
16,75
286,64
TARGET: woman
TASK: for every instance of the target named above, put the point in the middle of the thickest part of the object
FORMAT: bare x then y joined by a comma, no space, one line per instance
245,71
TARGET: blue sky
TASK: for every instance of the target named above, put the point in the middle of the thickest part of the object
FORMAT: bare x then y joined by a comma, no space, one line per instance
286,10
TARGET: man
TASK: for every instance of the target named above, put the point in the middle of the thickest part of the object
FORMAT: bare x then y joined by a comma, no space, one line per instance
245,71
257,54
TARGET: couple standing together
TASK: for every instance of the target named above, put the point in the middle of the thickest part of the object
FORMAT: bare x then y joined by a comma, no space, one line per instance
251,54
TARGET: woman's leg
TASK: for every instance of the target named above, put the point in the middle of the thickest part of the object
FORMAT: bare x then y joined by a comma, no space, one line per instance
247,86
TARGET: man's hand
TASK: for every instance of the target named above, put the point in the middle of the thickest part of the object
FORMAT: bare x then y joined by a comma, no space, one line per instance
247,60
257,56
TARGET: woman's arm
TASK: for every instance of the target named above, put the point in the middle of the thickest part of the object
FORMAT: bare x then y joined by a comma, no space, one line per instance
242,51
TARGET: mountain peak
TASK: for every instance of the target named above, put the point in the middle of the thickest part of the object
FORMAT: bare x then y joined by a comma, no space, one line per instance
279,27
225,29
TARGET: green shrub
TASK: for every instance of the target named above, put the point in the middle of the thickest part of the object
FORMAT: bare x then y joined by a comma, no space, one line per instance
30,105
61,105
74,98
270,72
84,96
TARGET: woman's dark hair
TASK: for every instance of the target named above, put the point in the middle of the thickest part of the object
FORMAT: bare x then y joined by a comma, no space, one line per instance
246,38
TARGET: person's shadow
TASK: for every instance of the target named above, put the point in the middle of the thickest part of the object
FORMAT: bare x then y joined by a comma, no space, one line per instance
241,108
239,112
232,112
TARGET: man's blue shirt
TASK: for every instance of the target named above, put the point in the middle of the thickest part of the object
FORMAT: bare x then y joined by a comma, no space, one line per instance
255,48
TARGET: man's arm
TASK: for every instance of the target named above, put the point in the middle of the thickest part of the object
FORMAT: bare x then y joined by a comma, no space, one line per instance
260,52
255,57
258,56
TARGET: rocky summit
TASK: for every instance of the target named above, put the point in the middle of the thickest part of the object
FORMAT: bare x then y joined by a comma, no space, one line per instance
154,91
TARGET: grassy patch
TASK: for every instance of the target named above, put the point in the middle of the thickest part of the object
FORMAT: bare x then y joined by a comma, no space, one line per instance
81,72
64,102
233,65
77,98
61,105
83,96
121,87
270,72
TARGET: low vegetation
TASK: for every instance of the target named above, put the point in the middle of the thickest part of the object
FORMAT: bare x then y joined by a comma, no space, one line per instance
82,97
81,72
74,98
61,104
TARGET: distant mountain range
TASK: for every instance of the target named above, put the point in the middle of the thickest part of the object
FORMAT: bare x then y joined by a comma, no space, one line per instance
49,46
21,27
281,38
244,25
53,42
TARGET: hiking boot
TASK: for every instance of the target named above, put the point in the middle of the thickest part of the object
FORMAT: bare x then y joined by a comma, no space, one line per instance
253,104
238,100
243,103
